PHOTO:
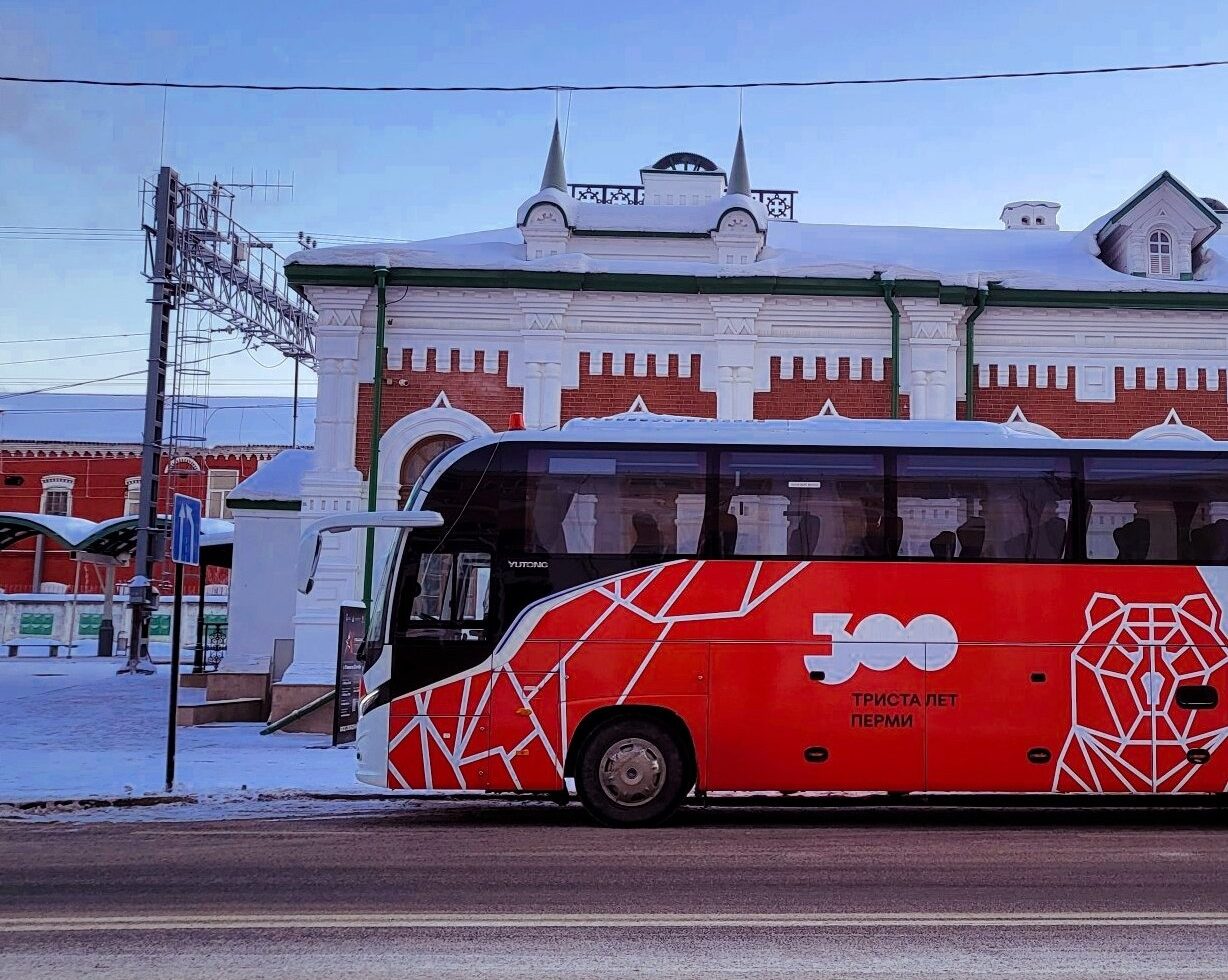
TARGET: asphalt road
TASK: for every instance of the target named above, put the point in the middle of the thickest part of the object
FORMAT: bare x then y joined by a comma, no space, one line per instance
483,889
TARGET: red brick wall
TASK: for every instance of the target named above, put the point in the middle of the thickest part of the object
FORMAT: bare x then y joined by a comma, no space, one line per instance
799,398
606,394
485,395
98,495
1133,410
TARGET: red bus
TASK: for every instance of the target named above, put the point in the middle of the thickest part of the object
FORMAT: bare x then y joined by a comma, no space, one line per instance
643,609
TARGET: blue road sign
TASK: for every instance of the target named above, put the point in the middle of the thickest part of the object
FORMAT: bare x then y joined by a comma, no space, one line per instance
185,530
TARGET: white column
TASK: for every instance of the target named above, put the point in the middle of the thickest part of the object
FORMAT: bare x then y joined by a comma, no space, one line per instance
736,340
932,348
332,485
542,354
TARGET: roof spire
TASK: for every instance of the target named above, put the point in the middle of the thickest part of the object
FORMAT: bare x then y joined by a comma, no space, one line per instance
739,176
554,175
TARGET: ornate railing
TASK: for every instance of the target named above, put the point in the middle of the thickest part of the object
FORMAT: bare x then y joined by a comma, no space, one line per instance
779,203
608,193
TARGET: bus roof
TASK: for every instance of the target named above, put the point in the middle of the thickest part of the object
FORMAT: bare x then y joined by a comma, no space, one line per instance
838,431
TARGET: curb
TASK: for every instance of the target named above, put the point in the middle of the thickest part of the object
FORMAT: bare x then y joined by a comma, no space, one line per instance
103,802
94,802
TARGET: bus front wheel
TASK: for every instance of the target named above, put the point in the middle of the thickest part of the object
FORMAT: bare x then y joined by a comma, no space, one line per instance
631,773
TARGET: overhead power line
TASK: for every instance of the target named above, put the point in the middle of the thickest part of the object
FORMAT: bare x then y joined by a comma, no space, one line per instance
70,338
667,87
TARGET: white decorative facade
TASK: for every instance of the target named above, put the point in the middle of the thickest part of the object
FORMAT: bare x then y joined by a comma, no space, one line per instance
694,294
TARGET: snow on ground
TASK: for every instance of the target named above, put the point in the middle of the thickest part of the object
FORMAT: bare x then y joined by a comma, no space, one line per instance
70,729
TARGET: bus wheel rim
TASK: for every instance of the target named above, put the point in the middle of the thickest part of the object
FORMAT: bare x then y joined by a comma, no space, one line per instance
632,772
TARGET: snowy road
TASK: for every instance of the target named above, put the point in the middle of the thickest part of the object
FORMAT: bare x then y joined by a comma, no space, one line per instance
487,889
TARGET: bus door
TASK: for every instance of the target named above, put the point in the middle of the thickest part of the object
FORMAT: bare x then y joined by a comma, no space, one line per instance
525,709
439,719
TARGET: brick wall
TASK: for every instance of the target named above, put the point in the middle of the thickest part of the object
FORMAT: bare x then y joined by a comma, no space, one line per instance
98,495
607,394
485,395
1133,410
798,398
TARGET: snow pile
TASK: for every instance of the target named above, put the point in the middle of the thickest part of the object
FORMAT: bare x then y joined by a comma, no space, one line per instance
280,479
72,729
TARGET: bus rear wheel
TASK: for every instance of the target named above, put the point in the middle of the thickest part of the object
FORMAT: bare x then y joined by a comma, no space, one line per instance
632,773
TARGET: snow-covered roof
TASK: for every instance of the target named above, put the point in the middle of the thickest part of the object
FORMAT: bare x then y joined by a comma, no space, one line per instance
280,479
952,256
233,420
112,537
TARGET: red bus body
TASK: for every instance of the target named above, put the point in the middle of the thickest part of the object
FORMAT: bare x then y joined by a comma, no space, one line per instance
851,676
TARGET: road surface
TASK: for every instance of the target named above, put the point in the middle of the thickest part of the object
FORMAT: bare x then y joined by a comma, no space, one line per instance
515,889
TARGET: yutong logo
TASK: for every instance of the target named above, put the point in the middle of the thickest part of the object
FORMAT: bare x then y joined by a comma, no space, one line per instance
528,564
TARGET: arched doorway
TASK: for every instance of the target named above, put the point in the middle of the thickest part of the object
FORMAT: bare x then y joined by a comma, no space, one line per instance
416,461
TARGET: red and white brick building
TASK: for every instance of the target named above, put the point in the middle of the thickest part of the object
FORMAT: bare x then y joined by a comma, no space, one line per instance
80,456
692,296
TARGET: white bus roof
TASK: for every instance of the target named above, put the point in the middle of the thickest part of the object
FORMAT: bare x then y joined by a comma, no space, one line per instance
835,431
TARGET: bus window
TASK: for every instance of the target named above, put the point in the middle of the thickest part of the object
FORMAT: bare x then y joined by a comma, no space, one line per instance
801,504
449,594
1156,508
646,503
973,507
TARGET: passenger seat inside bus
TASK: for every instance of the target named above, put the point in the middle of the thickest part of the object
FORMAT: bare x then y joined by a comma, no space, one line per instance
971,535
1133,540
647,534
1210,542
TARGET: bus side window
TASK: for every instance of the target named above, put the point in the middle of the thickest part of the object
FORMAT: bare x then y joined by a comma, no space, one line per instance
645,503
983,508
802,504
1155,508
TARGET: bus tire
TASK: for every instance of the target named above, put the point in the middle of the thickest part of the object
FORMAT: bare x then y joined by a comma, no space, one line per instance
632,773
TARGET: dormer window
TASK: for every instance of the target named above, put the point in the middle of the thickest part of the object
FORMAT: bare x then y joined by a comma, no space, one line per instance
1040,219
1025,220
1160,254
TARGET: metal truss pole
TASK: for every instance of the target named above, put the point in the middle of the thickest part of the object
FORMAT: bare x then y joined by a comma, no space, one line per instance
142,597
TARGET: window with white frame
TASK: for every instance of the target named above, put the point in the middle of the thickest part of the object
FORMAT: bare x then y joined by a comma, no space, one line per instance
57,495
132,495
221,482
1160,254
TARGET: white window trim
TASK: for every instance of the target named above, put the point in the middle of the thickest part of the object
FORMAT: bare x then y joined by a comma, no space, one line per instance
132,496
57,483
220,493
1156,259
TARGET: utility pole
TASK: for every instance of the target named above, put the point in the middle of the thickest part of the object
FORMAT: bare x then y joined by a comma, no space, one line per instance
142,596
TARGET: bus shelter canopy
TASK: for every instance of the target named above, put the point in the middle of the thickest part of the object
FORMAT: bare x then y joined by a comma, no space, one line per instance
113,539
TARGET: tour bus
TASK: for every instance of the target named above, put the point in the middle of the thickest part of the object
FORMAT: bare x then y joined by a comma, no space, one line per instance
643,608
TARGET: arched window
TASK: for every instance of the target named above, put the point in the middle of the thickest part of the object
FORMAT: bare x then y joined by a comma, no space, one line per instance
1025,220
417,459
1040,219
1160,254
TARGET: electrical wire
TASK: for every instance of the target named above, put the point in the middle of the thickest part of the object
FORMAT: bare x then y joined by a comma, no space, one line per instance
73,357
64,340
665,87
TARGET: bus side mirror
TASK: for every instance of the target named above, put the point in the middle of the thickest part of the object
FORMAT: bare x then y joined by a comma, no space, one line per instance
312,541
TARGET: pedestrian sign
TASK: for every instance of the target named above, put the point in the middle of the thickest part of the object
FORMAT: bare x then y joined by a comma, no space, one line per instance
185,530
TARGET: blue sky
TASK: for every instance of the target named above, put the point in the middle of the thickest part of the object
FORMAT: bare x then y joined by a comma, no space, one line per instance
417,166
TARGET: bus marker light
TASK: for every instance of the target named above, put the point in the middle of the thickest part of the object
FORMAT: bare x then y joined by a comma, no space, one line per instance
524,712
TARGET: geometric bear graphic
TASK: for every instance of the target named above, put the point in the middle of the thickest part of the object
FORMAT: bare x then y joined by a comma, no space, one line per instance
1127,732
